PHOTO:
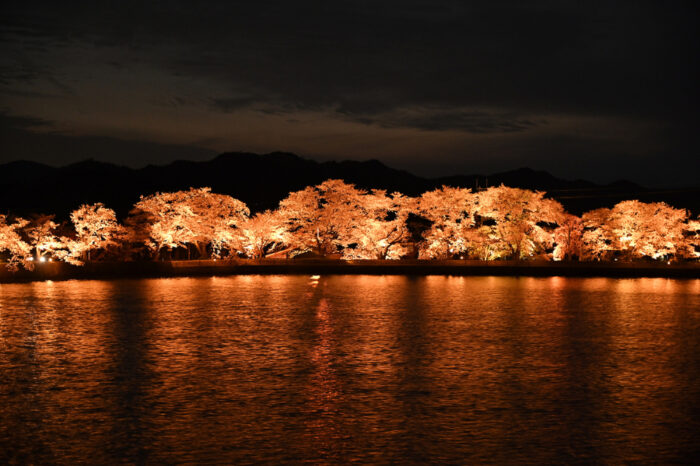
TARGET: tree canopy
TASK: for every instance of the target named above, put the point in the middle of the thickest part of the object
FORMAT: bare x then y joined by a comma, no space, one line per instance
337,219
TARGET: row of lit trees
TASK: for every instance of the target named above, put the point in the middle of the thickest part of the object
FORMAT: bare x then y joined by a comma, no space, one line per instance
337,219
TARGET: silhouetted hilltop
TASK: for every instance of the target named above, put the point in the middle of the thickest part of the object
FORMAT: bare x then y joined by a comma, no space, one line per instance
263,180
525,178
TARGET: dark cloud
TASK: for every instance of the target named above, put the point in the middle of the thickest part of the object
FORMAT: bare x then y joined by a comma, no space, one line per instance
567,56
18,122
230,104
478,68
26,138
437,119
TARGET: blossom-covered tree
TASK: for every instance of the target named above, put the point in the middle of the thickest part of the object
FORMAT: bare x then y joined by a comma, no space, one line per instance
597,238
335,217
41,231
451,211
381,230
319,217
168,222
692,239
640,229
12,244
261,233
633,230
96,228
568,237
524,220
197,218
215,222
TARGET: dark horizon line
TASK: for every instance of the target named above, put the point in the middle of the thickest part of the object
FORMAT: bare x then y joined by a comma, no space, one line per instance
352,161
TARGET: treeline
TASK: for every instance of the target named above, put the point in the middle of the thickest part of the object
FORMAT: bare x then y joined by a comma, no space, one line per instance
335,219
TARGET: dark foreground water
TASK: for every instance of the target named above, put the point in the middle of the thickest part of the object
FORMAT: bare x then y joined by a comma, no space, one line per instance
365,368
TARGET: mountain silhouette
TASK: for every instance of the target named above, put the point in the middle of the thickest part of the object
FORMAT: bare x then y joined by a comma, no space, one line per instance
261,181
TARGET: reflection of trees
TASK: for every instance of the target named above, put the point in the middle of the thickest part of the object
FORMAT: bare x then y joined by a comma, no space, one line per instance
324,388
60,383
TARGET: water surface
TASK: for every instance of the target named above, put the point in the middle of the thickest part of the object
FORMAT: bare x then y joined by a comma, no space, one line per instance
365,368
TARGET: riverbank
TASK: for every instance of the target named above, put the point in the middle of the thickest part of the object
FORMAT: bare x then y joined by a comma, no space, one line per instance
102,270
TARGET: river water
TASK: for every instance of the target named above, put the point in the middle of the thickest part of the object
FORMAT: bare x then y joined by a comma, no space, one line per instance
380,369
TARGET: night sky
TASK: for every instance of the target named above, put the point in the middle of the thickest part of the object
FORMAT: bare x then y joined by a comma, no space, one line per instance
594,90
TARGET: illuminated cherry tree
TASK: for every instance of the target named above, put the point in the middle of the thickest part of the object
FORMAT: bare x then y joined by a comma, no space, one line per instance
692,239
12,244
568,237
197,218
215,221
597,238
451,211
633,230
380,231
320,217
96,228
641,229
41,232
335,217
523,220
262,233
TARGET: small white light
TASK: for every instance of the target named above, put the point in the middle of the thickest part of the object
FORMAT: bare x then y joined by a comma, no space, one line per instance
42,259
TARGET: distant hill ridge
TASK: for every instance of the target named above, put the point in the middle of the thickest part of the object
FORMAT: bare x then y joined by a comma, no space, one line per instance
263,180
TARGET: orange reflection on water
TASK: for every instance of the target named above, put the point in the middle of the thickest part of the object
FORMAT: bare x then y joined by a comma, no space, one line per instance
373,369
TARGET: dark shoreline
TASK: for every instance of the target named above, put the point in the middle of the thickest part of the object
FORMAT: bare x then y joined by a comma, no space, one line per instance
108,270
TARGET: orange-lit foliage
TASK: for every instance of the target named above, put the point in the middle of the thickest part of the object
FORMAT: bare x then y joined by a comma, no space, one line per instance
568,237
692,235
96,228
197,218
498,223
319,217
524,221
336,218
597,238
451,211
647,230
262,233
380,231
634,230
11,243
41,233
